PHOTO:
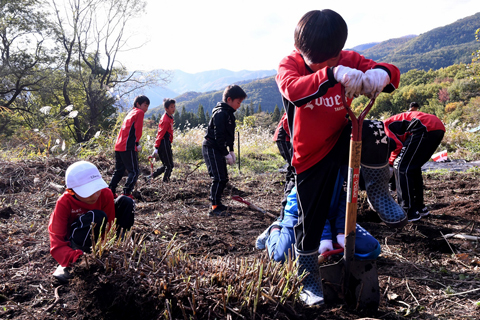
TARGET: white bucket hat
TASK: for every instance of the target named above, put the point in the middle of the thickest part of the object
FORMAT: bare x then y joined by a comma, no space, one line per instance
84,178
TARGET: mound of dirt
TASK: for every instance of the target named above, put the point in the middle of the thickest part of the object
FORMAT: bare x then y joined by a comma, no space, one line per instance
422,273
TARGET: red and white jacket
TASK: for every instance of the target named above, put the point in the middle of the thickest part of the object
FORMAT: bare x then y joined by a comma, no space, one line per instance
282,133
66,211
402,125
131,131
165,129
312,100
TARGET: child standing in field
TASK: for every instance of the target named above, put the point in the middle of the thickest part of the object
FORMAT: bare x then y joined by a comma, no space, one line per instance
163,142
87,200
310,81
217,145
127,147
417,135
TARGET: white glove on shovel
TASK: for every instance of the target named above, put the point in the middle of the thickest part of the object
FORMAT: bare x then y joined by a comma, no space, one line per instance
325,245
352,80
374,81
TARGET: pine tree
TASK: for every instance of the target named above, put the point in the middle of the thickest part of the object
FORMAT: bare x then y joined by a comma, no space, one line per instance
183,118
247,112
207,118
259,110
201,115
276,114
176,119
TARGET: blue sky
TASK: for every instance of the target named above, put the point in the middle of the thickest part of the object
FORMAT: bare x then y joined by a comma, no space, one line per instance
195,36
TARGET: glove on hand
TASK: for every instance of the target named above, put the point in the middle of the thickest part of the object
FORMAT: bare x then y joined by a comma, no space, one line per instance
374,81
139,147
325,245
341,240
233,156
352,80
155,154
229,159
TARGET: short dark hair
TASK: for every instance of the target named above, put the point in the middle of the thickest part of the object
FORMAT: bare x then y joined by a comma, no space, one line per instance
320,35
414,105
233,92
141,99
167,102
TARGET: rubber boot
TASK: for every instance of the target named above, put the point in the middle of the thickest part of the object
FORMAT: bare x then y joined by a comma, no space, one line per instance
379,197
312,292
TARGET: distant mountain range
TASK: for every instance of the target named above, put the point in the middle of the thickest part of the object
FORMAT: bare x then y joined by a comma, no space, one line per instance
206,81
438,48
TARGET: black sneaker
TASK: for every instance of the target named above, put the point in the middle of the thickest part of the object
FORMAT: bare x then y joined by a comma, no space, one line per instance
424,212
413,215
220,211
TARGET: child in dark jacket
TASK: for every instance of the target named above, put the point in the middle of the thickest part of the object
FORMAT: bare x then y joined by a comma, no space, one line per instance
127,147
217,145
163,142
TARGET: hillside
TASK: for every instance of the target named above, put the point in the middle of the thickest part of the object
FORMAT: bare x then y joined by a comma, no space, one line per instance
263,91
205,81
438,48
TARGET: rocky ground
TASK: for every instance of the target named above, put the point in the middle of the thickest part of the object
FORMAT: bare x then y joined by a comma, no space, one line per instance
424,272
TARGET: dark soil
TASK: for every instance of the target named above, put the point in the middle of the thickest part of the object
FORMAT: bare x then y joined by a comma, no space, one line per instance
422,274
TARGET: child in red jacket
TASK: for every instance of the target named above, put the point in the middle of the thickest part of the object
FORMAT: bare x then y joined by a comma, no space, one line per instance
127,147
163,142
87,200
310,81
417,135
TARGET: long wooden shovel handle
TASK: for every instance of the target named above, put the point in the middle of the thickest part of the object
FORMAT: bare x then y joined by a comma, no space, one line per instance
353,181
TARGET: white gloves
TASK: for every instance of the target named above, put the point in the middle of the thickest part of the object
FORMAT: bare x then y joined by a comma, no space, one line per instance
139,147
155,154
341,240
233,156
352,80
230,159
325,245
374,81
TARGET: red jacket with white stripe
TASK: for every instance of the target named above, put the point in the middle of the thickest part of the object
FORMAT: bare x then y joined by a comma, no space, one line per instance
66,211
165,129
131,131
314,105
402,125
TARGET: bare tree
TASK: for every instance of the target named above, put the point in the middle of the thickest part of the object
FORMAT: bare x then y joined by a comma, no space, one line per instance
92,33
24,28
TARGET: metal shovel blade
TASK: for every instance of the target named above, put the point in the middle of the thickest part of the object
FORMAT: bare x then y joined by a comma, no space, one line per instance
363,292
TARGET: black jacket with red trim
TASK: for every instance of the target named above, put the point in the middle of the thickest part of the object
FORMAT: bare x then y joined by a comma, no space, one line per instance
221,128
